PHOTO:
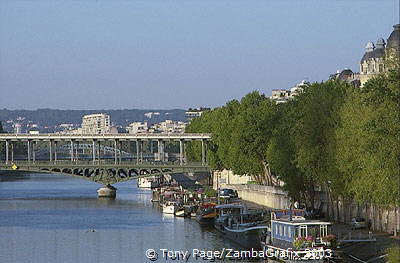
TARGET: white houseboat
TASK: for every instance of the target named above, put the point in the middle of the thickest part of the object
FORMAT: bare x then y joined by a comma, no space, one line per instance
296,239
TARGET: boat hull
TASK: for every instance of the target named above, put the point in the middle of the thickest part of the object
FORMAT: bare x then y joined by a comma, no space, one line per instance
181,213
204,220
247,237
169,209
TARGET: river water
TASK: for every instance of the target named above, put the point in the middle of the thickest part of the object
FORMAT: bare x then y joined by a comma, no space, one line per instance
53,218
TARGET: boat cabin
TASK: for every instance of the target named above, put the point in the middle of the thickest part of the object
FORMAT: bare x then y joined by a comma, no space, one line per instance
285,231
230,209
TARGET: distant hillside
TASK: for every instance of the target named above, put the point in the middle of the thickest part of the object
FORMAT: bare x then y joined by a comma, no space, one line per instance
49,119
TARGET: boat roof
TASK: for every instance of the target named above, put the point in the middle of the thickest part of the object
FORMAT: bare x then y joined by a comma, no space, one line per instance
229,206
169,193
205,205
170,203
298,222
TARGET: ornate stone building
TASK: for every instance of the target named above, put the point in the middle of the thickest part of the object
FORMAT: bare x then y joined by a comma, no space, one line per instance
373,61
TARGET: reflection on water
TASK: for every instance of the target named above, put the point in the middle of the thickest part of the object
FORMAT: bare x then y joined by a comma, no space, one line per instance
51,218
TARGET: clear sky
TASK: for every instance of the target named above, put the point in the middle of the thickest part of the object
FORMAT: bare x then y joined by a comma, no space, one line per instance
168,54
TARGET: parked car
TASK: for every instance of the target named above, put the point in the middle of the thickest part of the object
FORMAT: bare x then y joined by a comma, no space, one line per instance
358,223
227,193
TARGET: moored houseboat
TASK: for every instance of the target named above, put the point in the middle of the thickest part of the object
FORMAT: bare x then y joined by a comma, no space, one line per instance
206,214
147,182
241,225
169,207
295,239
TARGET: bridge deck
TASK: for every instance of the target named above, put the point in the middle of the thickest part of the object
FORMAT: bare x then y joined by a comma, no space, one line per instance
101,164
122,137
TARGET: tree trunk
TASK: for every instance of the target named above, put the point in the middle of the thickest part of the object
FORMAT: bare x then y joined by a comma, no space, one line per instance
337,209
267,173
311,194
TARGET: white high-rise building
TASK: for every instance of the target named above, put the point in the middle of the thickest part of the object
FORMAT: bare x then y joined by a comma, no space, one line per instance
138,127
96,124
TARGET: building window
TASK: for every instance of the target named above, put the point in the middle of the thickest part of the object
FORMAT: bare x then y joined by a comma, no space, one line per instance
370,68
380,68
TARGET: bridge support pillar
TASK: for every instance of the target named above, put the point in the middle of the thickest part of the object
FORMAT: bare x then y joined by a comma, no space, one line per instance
120,151
34,151
141,151
12,151
98,151
50,150
55,151
77,151
7,147
29,151
137,151
107,191
203,153
115,152
163,151
181,152
72,151
94,151
160,153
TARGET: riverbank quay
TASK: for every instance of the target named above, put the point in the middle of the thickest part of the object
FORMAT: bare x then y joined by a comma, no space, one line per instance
358,245
382,219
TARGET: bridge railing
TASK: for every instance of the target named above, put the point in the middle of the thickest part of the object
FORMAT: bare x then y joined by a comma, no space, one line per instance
146,136
102,162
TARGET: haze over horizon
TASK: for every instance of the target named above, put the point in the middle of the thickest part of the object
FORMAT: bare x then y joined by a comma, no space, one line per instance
176,54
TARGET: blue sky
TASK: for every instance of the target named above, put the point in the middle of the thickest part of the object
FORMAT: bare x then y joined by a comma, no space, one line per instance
168,54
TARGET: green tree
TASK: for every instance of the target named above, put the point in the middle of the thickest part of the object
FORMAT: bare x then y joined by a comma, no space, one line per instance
281,153
393,254
302,152
368,146
241,132
253,131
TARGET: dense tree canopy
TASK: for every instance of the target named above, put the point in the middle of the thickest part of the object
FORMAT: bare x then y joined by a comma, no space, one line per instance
368,148
332,135
241,134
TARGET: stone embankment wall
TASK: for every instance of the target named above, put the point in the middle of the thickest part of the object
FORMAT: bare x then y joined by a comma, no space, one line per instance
381,219
269,196
224,178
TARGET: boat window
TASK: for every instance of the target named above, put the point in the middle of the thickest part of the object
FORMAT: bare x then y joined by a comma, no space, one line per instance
303,231
324,230
313,230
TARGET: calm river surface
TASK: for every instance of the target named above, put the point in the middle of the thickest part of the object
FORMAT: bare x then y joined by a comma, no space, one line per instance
48,218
